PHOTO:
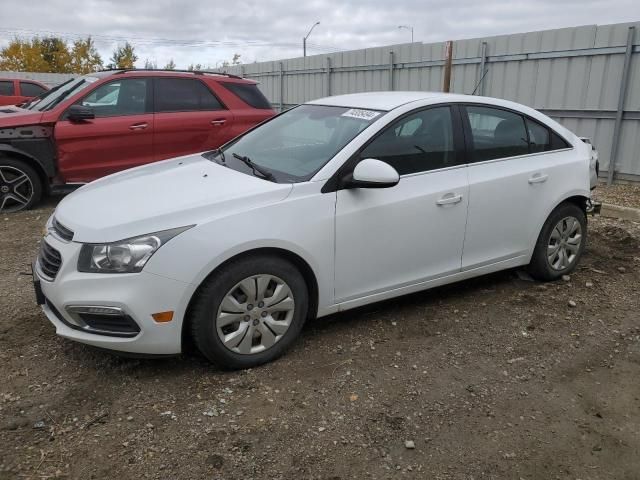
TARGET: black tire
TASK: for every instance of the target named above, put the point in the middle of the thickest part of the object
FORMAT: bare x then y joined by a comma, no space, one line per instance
209,298
14,198
540,267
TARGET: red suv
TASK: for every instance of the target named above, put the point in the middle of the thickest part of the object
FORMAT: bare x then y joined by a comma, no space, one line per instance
104,122
14,91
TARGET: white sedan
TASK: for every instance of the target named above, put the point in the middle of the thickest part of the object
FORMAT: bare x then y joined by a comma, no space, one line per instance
334,204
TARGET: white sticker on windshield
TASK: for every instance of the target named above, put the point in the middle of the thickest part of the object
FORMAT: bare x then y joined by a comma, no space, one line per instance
361,114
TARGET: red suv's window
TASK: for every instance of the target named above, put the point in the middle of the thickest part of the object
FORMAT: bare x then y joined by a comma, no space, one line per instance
248,93
118,98
183,95
6,88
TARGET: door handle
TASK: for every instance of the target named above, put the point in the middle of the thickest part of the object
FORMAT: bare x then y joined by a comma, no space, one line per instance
138,126
538,178
449,199
221,121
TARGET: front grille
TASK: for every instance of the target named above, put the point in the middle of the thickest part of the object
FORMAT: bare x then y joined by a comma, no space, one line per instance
61,231
49,260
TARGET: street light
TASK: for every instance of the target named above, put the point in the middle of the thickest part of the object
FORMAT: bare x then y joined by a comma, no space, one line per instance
304,40
408,27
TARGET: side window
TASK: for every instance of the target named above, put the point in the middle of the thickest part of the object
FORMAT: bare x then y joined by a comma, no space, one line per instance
118,98
6,88
543,139
417,143
496,133
183,95
28,89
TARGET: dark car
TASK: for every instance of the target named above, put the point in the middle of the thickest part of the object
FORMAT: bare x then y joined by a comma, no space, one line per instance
104,122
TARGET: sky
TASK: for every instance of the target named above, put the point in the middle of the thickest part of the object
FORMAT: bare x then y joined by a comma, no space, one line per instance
212,31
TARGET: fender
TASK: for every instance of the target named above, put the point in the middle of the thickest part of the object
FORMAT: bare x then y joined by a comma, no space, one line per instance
33,143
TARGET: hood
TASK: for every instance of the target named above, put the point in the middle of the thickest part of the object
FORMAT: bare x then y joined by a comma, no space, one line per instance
12,116
169,194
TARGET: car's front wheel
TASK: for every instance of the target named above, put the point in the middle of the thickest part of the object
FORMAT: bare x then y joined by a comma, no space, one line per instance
20,185
249,312
560,243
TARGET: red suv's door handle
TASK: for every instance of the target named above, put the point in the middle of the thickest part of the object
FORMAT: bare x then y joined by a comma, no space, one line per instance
138,126
220,121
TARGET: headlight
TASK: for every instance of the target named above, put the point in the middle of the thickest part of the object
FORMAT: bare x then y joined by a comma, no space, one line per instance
126,256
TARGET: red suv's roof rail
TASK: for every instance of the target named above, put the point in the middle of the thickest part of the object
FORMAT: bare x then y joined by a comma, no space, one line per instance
195,72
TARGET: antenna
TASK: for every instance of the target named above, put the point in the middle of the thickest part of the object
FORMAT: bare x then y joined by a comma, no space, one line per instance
480,81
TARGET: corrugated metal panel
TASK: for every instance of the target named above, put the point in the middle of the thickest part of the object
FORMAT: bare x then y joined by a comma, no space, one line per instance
49,79
577,69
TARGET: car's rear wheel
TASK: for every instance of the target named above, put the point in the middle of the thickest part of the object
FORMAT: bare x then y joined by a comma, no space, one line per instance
20,186
560,243
250,312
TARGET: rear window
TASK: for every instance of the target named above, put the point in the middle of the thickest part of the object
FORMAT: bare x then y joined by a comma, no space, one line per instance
183,95
248,93
6,88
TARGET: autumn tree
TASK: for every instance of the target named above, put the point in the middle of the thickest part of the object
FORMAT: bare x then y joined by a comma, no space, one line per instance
84,57
56,54
171,65
50,54
124,57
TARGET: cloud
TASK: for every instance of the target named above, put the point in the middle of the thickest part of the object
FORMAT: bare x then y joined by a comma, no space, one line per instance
209,32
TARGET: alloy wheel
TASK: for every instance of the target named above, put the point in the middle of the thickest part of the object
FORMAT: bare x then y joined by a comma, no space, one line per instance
16,189
564,243
255,314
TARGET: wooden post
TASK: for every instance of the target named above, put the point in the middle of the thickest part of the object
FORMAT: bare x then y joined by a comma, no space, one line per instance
448,58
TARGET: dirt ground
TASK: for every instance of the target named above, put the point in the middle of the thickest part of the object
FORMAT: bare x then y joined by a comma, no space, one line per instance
494,378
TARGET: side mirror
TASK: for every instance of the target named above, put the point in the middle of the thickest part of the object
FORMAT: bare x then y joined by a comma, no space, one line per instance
372,173
78,113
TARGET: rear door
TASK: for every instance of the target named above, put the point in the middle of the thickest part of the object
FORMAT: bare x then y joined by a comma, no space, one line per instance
516,173
8,93
189,118
120,136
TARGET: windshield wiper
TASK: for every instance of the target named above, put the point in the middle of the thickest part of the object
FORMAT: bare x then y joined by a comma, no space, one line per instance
61,97
256,168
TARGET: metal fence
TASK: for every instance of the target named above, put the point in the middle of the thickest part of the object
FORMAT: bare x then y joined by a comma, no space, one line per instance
49,79
575,75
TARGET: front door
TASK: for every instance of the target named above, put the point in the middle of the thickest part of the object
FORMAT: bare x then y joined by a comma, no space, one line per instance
119,137
412,232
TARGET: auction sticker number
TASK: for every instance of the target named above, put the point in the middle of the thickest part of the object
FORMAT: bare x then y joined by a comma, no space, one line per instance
361,114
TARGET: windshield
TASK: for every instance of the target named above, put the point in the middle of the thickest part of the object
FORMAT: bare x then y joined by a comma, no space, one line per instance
56,95
298,143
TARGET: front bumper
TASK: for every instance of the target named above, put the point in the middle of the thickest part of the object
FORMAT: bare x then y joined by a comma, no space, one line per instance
137,295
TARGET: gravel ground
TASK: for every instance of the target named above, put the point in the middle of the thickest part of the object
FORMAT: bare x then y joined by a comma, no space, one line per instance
624,195
494,378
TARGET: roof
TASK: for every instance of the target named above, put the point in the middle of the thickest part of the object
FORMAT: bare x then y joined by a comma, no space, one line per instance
377,100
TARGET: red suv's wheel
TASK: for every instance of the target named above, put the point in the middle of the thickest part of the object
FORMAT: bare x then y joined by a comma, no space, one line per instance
20,186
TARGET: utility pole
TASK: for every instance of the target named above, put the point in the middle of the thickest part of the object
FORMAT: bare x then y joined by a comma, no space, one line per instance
304,39
448,60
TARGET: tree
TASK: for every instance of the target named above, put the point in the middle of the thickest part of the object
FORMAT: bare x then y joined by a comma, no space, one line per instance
236,59
23,56
124,57
149,65
197,67
84,57
171,65
55,52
